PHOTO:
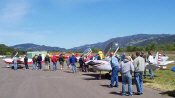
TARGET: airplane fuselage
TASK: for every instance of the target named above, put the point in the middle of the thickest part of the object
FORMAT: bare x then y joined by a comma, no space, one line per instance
100,65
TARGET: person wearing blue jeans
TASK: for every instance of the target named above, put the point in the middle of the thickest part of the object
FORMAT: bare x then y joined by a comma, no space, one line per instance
26,62
115,68
127,78
151,73
139,82
39,59
54,66
34,66
150,61
126,69
74,68
139,66
144,57
15,63
54,60
73,61
114,76
34,59
39,65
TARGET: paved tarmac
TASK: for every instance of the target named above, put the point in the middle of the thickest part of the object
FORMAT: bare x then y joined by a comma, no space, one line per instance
60,84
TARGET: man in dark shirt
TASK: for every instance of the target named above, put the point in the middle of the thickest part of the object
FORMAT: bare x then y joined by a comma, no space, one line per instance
26,62
39,60
73,61
47,62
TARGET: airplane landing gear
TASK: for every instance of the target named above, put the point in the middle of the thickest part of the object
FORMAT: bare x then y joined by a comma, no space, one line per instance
99,76
8,66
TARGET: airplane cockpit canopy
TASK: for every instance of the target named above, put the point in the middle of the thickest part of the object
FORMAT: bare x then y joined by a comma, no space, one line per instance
87,52
15,53
111,47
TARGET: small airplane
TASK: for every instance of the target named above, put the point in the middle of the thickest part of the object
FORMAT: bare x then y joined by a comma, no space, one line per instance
2,56
19,61
159,62
104,64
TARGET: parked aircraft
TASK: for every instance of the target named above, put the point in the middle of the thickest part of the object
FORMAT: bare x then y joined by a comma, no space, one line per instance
104,65
20,60
159,62
2,56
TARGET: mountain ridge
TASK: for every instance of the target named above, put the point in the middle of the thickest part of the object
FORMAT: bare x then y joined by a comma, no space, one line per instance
36,47
133,40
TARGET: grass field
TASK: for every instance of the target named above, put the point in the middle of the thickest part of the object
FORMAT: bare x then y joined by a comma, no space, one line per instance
164,80
172,58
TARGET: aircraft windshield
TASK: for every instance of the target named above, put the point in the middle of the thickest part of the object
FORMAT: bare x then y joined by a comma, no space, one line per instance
15,53
111,47
87,52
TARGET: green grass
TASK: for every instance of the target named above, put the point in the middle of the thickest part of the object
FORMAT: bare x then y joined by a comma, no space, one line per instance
171,58
164,80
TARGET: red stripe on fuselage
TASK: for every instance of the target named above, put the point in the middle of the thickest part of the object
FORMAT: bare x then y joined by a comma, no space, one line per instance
99,64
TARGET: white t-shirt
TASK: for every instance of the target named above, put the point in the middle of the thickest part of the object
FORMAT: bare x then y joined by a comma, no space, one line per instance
15,59
151,59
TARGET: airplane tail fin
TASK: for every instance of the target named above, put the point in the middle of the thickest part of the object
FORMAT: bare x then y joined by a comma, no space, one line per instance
158,58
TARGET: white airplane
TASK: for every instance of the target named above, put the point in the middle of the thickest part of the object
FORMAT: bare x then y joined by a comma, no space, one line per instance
2,56
159,62
103,65
20,60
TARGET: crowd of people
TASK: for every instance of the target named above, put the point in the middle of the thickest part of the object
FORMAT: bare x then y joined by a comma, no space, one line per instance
38,60
126,65
130,65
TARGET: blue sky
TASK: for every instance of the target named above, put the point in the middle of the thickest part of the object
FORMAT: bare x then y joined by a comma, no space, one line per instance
71,23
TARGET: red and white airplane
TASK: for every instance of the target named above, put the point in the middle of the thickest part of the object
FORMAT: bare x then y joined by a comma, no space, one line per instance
20,59
104,65
159,62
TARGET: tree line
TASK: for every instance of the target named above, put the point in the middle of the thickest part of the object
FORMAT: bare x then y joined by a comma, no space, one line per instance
5,50
153,46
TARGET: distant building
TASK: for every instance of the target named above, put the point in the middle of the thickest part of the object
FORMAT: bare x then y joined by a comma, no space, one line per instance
32,54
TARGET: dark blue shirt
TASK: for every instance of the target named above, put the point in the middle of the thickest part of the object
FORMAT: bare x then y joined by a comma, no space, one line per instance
73,59
39,59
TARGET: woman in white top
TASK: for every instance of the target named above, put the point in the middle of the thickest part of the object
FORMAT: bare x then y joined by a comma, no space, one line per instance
150,61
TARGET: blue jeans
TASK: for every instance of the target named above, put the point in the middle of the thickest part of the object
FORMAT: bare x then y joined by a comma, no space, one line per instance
139,81
34,66
74,68
151,73
39,65
26,65
114,76
54,66
127,78
144,74
15,66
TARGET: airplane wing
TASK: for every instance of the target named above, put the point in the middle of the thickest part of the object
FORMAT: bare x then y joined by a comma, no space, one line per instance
168,62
